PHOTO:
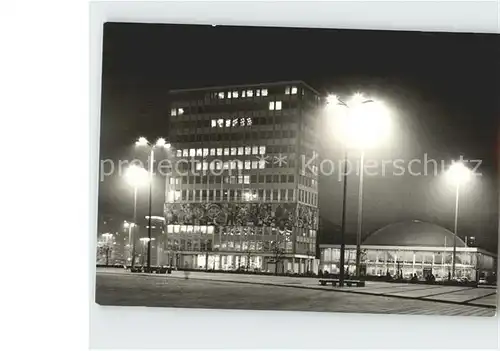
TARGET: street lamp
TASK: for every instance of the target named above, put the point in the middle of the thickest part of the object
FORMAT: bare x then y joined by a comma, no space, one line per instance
160,143
458,174
136,176
361,123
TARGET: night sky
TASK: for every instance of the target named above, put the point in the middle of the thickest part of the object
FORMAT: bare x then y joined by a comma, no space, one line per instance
442,88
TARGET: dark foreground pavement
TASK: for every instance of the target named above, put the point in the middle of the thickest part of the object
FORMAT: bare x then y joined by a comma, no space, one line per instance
168,291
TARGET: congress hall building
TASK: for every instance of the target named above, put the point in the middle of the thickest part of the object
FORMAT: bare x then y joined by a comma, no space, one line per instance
243,191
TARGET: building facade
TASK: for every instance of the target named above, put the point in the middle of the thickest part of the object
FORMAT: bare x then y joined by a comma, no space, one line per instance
243,191
408,248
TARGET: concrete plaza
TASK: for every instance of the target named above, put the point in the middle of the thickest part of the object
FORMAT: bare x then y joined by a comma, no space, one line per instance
237,291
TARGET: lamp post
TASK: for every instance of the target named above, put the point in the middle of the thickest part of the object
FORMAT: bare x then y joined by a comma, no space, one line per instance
459,174
361,128
160,143
136,176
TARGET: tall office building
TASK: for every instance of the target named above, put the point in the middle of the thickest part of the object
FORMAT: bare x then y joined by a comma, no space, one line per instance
243,192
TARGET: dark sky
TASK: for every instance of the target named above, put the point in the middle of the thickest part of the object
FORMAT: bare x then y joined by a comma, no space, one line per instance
443,91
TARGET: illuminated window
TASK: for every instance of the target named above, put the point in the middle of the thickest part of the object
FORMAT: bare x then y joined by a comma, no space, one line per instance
178,153
243,93
226,151
264,92
278,105
177,195
235,94
199,152
181,111
248,150
287,91
192,152
176,228
255,150
240,179
242,122
235,122
198,166
185,153
255,164
229,94
212,152
271,105
205,165
219,151
233,151
173,112
205,152
294,90
228,123
249,121
214,123
257,92
210,229
249,93
240,150
221,95
248,164
262,150
246,179
232,165
262,164
225,165
220,123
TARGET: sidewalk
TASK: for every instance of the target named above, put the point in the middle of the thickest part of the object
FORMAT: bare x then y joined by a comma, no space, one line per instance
481,297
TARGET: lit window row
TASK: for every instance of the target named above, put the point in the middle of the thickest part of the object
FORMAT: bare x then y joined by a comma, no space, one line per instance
235,94
261,195
223,232
236,164
308,197
232,179
291,90
232,151
176,111
309,182
201,229
275,105
235,122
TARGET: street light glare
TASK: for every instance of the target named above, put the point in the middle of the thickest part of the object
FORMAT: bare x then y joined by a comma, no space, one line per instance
142,141
136,176
459,173
362,123
356,99
332,99
161,142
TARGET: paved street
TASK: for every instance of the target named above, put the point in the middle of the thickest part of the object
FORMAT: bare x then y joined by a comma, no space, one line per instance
234,291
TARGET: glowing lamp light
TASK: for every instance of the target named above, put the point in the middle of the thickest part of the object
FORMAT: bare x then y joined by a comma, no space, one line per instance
361,123
332,99
161,142
137,176
459,173
142,141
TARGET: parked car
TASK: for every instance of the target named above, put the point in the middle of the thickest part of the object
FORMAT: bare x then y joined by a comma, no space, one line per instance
483,280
